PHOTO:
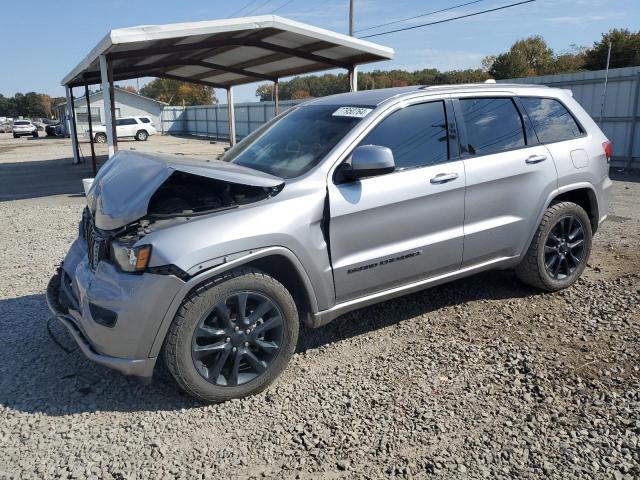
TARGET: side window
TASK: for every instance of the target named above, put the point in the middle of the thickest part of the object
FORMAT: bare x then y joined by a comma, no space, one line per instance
417,135
551,120
126,121
493,125
144,120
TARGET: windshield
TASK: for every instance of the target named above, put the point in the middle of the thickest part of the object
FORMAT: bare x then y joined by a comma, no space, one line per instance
297,142
21,123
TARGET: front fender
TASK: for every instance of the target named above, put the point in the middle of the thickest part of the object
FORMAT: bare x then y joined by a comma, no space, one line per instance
224,264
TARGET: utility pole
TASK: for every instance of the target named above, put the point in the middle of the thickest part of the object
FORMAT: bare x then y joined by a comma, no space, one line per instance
353,73
351,17
604,89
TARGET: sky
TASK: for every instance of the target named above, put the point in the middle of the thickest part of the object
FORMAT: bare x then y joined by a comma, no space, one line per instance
43,43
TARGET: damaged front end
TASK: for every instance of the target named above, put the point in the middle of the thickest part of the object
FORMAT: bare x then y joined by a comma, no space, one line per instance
132,186
106,292
136,193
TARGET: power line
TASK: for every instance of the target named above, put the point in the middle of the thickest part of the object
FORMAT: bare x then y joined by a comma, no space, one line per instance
264,4
448,19
420,16
240,9
282,6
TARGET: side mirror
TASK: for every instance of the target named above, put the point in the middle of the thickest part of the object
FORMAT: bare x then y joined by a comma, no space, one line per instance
368,161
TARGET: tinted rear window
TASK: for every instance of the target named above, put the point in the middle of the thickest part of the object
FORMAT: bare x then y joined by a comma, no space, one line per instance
21,123
126,121
417,135
145,120
551,120
493,125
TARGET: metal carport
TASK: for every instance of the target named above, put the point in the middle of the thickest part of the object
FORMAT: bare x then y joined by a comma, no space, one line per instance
217,53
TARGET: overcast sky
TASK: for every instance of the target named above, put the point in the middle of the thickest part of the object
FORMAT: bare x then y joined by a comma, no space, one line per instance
43,42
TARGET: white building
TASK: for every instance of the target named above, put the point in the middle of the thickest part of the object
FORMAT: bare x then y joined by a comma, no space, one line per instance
127,104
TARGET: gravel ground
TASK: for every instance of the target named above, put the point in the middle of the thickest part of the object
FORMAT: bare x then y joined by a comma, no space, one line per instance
481,378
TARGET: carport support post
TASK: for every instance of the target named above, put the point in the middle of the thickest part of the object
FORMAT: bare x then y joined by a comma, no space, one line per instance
72,125
353,78
276,97
231,117
108,106
93,150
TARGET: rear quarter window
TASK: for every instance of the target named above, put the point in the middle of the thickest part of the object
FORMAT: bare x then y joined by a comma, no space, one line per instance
551,120
144,120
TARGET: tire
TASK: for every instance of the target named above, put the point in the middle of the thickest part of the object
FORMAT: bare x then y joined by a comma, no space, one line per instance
100,137
34,134
15,136
142,135
208,375
558,255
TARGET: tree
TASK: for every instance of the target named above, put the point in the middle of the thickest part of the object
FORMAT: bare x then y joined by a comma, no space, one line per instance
625,50
527,57
300,94
4,106
175,92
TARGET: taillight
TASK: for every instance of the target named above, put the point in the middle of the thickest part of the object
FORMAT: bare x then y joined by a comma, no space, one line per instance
608,150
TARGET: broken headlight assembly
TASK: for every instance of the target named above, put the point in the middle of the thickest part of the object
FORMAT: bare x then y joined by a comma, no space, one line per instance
129,257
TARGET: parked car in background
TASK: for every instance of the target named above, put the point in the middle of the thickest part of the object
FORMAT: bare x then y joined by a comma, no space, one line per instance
339,203
5,127
53,130
23,128
140,128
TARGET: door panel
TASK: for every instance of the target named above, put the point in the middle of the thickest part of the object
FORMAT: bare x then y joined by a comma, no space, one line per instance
392,229
505,194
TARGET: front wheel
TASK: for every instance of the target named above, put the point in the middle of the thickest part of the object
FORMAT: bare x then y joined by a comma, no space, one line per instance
559,250
100,138
232,337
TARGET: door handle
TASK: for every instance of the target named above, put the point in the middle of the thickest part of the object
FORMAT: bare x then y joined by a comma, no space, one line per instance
536,159
444,178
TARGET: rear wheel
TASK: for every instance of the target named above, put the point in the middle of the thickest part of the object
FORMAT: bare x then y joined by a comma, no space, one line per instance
232,337
560,248
142,135
100,137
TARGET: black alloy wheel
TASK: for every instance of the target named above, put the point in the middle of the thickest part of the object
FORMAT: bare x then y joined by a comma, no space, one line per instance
237,340
565,247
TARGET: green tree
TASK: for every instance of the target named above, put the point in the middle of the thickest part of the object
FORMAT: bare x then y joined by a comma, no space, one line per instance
527,57
175,92
4,106
625,50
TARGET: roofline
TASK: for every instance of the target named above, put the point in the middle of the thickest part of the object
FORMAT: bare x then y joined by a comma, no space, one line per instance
119,89
144,33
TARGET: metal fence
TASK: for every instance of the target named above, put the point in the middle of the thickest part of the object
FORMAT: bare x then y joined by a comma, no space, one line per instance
618,118
212,121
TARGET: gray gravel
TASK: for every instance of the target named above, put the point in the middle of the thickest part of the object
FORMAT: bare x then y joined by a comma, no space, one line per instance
482,378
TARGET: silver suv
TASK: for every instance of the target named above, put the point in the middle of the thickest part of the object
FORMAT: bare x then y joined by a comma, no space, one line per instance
336,204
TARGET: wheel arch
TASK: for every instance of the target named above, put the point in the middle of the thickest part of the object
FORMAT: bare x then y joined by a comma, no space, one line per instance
278,262
584,196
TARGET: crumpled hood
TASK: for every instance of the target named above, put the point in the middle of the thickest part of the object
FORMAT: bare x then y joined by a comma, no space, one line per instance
124,185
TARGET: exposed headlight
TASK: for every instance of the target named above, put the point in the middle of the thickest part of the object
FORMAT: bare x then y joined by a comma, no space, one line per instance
130,258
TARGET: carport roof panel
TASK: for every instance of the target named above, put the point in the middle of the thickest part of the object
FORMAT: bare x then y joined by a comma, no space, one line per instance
252,48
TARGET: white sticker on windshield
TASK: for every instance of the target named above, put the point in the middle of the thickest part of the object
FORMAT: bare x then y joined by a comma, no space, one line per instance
357,112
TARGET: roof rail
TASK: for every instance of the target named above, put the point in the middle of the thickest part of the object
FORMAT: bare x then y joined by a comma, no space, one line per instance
481,85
